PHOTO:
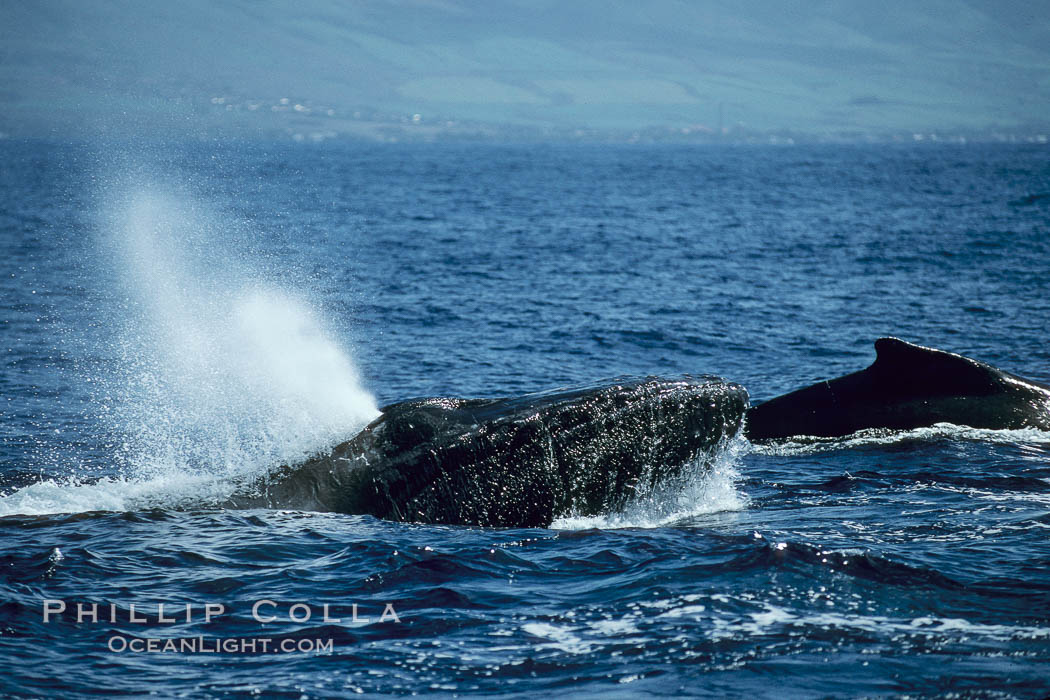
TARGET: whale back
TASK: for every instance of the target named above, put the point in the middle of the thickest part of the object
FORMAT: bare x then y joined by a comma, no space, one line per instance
908,386
903,368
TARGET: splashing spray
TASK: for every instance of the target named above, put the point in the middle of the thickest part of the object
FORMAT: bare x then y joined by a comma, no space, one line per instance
221,369
225,372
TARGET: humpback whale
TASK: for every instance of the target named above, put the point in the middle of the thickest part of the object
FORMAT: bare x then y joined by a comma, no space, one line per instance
908,386
513,462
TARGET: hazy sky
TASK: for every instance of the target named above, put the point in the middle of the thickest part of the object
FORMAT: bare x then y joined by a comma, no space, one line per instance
68,66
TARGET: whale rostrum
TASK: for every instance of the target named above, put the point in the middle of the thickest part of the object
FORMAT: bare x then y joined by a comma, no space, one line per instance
908,386
513,462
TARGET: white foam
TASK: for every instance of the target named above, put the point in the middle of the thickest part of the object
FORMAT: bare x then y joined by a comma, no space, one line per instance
561,638
118,494
804,445
771,616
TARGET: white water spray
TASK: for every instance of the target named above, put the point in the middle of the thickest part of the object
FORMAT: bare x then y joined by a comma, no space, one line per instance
223,371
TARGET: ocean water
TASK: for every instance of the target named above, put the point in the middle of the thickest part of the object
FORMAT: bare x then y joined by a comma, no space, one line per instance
175,317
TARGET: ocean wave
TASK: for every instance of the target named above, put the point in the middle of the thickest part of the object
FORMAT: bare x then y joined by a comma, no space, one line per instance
877,437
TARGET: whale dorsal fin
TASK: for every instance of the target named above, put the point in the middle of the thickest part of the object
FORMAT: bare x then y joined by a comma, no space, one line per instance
928,369
895,351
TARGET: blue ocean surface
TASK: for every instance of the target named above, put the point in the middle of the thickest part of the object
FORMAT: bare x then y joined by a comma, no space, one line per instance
176,317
